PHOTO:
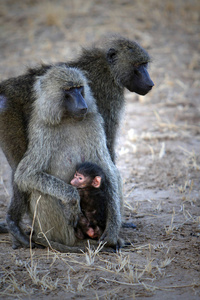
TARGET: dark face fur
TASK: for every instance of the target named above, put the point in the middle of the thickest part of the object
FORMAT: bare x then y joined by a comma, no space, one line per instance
139,80
73,101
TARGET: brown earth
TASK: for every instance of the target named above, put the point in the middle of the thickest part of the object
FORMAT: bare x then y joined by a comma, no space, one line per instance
158,151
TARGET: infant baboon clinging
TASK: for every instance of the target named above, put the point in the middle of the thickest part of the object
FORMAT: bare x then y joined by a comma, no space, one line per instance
117,64
65,129
90,181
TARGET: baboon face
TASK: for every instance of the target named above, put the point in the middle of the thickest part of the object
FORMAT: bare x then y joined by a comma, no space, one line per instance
128,62
81,181
73,101
60,94
139,80
88,175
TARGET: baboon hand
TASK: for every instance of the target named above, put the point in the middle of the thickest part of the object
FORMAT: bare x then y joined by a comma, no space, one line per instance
116,243
72,213
109,237
72,207
73,220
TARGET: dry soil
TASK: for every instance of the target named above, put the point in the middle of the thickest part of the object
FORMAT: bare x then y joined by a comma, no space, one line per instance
157,151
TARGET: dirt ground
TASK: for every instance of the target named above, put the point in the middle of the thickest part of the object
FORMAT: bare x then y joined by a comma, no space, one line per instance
158,151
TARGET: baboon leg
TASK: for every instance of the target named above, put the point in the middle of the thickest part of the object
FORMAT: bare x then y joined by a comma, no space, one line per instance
15,213
57,246
10,136
80,247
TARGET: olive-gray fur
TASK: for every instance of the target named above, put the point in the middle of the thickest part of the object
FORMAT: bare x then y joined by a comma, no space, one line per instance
56,145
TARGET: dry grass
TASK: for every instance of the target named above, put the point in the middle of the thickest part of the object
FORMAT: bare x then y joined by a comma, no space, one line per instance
116,269
171,228
191,160
158,152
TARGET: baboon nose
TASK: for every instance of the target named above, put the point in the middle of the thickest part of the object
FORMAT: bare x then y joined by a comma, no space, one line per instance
83,111
151,84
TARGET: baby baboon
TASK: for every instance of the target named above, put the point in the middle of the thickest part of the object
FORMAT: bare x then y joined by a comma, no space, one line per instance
117,64
90,181
65,129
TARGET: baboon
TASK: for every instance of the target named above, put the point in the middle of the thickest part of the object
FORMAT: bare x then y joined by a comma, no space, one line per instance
115,65
90,181
110,68
65,129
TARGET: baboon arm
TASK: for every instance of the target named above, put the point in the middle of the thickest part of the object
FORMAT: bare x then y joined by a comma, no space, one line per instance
113,224
44,183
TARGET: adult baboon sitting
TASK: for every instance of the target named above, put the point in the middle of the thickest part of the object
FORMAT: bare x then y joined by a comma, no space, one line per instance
65,129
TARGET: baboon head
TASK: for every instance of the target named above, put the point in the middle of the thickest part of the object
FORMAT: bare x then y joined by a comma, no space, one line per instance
60,93
128,62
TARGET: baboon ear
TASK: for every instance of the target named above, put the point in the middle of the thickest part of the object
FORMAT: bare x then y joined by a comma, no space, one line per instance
96,182
111,55
45,102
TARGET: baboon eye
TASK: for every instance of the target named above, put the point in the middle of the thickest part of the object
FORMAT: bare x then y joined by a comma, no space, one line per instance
111,55
145,65
67,90
82,90
136,72
130,49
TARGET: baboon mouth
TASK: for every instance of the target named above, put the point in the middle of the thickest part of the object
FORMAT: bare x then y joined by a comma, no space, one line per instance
79,117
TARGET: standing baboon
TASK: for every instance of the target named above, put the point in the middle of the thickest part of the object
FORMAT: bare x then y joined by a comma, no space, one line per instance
117,64
92,186
65,129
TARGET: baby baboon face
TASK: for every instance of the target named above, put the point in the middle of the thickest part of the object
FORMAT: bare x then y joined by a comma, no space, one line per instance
81,181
